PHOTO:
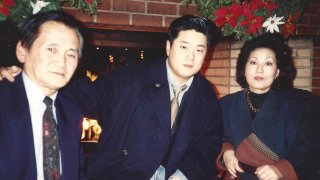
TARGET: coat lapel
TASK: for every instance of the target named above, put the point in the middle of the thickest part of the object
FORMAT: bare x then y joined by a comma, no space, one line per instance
241,120
190,118
20,126
69,119
22,115
158,92
271,107
69,136
270,119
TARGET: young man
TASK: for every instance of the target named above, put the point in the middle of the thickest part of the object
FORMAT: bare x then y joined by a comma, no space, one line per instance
139,140
145,136
38,140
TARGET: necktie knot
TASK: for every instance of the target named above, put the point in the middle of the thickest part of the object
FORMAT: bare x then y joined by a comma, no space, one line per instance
178,89
47,101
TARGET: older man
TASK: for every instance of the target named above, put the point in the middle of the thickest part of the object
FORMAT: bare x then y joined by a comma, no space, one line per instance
40,129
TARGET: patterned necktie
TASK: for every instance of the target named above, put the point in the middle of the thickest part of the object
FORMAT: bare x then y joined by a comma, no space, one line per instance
175,102
51,148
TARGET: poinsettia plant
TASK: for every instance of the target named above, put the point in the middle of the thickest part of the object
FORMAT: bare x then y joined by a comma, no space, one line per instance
5,6
18,10
246,19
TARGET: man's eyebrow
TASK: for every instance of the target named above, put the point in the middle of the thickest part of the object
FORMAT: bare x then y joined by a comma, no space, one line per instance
72,49
186,42
201,45
182,41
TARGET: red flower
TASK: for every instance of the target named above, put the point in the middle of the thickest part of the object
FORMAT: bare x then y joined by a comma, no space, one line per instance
221,16
269,6
4,7
245,18
235,11
7,3
226,15
294,17
288,29
253,23
253,5
89,1
289,26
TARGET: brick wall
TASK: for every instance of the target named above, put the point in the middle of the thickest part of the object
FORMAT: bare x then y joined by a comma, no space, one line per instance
140,15
136,13
316,67
217,67
310,26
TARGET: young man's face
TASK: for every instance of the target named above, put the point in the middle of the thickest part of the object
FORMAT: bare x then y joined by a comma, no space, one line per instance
186,54
52,58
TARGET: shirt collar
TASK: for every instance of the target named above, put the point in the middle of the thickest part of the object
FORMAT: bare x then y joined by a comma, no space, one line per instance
34,93
170,81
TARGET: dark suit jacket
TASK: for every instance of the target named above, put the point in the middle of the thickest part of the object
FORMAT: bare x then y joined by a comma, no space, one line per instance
288,123
17,154
134,111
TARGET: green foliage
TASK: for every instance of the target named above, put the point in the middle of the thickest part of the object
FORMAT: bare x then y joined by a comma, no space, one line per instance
290,10
23,8
207,7
2,17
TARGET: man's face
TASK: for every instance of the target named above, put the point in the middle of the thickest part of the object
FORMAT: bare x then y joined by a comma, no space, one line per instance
186,54
52,58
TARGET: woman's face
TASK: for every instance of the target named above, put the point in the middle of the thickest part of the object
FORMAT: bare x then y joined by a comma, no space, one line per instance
261,70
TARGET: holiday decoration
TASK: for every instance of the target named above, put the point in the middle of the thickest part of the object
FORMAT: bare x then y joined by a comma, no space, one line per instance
18,10
246,19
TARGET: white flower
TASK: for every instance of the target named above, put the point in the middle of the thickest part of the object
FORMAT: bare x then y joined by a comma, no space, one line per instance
272,23
38,5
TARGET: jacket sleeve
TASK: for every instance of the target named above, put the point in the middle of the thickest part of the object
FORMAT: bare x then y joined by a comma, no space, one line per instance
305,150
95,99
82,92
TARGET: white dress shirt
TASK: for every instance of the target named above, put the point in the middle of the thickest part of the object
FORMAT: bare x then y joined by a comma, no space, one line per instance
37,107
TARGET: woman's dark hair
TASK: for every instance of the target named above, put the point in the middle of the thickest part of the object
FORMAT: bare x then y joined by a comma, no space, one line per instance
283,52
29,30
197,23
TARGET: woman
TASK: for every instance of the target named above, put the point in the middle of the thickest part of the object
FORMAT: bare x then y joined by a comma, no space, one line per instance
271,130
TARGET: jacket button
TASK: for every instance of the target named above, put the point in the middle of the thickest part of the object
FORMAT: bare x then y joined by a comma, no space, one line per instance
125,152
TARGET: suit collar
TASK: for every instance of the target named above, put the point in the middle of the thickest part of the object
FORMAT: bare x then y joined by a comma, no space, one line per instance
67,123
193,112
158,91
195,105
157,72
69,127
20,102
270,109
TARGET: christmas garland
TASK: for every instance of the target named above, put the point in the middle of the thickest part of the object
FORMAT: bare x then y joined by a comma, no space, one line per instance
245,19
18,10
